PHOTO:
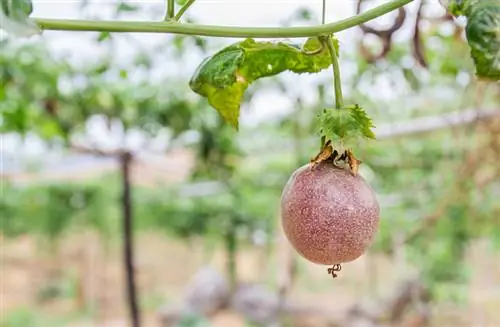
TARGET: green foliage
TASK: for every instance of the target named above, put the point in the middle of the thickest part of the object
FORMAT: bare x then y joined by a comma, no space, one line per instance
446,57
444,255
51,210
458,7
193,320
14,17
18,9
183,218
483,35
29,91
224,77
27,317
31,99
217,152
345,125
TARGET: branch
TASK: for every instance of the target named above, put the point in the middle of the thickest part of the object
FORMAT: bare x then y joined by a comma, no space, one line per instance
96,151
411,127
183,9
434,123
218,31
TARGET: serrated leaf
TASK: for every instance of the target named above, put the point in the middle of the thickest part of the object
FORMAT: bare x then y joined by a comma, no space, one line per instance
344,125
483,36
365,123
14,18
224,77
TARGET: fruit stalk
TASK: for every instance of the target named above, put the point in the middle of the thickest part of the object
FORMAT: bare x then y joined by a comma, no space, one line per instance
337,84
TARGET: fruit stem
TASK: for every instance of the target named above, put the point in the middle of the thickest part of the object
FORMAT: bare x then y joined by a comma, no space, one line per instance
339,99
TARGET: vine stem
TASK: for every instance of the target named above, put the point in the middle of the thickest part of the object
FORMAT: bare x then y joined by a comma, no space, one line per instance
339,99
323,13
218,31
170,10
183,9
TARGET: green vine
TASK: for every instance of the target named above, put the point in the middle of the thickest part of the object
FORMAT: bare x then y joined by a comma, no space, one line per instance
218,31
183,9
170,10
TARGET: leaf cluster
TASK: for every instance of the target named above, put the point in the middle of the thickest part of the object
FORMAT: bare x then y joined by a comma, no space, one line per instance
345,125
51,210
482,32
52,98
483,35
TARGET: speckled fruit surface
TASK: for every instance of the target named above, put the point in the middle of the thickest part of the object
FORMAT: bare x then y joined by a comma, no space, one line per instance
328,215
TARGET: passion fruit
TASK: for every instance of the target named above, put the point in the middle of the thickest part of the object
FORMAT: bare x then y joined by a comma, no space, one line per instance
329,215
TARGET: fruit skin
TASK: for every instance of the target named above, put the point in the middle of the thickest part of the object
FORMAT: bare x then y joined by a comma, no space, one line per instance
329,215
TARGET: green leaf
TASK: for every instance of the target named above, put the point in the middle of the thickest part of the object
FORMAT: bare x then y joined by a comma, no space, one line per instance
125,7
103,36
14,18
17,9
483,36
123,73
457,7
344,125
224,77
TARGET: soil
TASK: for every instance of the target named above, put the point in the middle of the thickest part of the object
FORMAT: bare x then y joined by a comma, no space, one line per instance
92,278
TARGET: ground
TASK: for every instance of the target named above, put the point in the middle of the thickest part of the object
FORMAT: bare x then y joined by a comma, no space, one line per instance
92,278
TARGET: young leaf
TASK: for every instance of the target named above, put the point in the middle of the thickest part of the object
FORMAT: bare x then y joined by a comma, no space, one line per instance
483,36
224,77
456,7
125,7
341,126
14,18
103,36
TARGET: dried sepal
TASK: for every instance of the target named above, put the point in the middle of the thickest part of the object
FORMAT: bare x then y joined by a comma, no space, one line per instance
353,162
324,155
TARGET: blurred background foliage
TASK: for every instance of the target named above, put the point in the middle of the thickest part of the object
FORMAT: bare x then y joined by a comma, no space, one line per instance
438,188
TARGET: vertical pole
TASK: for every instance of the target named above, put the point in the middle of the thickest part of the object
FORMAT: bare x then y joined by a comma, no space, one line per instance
231,254
128,248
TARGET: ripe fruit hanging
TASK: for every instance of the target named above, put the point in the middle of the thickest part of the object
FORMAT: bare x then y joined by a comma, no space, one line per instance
329,214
